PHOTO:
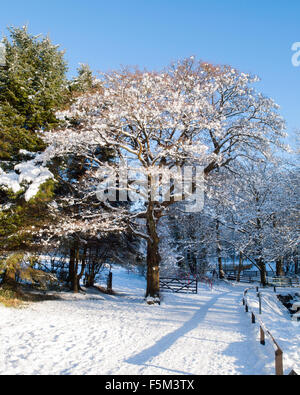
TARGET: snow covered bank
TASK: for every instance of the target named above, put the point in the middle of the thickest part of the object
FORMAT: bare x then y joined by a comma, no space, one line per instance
206,333
279,322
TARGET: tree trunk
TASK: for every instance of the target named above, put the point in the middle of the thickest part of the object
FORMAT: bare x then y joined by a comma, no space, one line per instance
89,280
259,261
240,267
75,284
9,280
262,270
73,268
279,267
296,261
220,266
219,252
153,258
83,265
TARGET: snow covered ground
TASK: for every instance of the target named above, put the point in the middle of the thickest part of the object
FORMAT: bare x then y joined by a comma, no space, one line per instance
278,321
208,333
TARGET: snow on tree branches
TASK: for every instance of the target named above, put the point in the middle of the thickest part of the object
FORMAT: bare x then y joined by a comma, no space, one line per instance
189,114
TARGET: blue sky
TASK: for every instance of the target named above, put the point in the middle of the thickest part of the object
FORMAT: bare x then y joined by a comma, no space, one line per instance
254,36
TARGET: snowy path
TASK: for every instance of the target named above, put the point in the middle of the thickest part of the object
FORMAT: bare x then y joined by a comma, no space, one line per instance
213,340
206,333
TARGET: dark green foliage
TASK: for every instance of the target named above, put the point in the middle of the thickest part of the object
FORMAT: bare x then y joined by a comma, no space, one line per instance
17,220
13,136
33,86
84,80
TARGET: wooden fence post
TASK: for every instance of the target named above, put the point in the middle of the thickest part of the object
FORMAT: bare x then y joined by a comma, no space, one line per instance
262,336
278,351
109,282
259,299
292,373
278,362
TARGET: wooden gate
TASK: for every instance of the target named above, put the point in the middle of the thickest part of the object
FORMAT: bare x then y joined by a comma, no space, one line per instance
178,285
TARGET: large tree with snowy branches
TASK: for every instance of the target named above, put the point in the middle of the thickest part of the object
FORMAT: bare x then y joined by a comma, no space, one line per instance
190,113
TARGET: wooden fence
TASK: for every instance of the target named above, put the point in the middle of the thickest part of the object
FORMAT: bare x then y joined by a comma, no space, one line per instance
284,282
272,281
263,332
243,278
178,285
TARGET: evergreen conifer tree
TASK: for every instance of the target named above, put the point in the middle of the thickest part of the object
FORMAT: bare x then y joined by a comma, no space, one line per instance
33,86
